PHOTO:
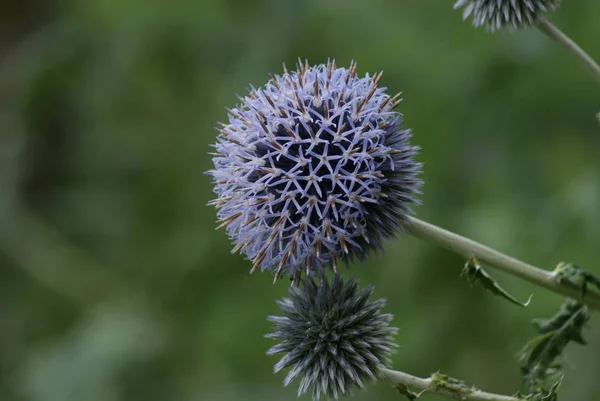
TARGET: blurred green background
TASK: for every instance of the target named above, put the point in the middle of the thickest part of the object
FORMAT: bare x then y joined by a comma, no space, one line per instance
115,286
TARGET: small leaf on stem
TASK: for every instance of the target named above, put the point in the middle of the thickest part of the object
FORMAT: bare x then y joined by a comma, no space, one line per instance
459,387
573,274
475,273
545,395
405,391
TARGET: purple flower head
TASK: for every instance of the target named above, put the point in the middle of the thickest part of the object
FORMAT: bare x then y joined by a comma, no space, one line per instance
513,14
313,168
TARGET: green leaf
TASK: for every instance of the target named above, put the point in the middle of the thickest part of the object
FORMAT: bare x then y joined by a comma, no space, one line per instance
545,395
405,391
573,274
541,358
475,273
568,322
459,387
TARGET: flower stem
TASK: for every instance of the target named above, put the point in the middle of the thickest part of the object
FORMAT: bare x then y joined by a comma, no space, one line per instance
469,248
448,387
568,44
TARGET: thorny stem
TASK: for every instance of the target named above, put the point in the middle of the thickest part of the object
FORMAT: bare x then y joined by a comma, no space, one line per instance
569,45
469,248
403,380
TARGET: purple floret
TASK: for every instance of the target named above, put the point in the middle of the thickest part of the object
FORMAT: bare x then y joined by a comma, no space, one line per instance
314,168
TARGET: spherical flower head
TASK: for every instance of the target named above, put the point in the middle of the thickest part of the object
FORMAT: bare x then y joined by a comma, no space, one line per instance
333,337
313,168
513,14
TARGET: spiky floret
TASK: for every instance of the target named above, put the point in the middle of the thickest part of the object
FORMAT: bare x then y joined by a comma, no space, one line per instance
513,14
333,337
313,168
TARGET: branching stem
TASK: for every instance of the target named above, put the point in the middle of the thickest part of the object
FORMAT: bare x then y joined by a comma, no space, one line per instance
469,248
569,45
461,391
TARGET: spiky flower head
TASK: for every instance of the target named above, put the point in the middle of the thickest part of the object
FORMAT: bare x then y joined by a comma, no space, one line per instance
513,14
313,168
333,337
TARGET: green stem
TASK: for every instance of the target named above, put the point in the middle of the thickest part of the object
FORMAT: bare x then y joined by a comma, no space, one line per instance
569,45
469,248
404,381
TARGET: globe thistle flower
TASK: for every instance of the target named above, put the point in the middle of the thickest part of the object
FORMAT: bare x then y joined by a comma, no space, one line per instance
313,168
333,337
497,14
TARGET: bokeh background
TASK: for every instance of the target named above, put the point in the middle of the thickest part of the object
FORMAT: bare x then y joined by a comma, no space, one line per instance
115,286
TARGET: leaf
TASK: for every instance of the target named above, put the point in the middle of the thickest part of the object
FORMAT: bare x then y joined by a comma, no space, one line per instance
543,395
560,321
459,387
405,391
573,274
541,358
475,273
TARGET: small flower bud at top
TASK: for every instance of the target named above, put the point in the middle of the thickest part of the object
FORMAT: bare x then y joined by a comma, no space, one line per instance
313,168
512,14
333,337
